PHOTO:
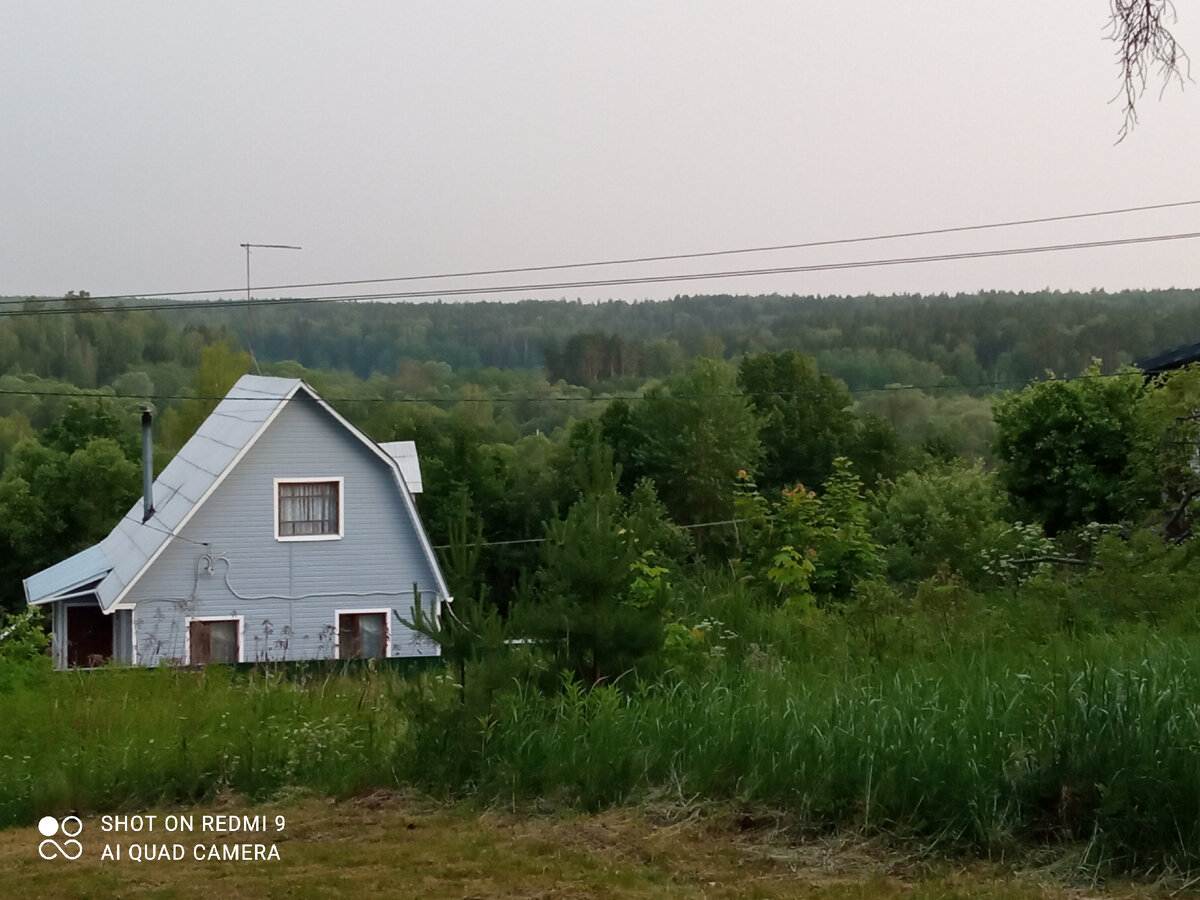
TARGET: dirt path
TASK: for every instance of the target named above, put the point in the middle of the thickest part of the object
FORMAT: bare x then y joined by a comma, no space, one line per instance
391,846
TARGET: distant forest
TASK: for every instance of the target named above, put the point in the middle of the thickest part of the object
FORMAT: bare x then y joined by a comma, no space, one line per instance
981,339
978,341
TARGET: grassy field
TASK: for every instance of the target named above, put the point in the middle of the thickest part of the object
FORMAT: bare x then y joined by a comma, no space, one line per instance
154,736
399,846
990,752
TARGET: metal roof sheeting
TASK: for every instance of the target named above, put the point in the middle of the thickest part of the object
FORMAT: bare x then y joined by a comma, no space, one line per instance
67,576
228,431
405,453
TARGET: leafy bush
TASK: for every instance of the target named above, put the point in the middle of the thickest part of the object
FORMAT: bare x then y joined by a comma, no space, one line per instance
947,517
23,642
1068,449
1141,579
807,544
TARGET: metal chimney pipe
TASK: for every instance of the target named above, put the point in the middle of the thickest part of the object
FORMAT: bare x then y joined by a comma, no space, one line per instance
147,468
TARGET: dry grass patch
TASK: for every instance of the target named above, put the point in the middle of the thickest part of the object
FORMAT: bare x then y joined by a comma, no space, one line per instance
402,846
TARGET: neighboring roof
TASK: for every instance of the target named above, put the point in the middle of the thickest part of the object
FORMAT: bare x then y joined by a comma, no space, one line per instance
187,481
1170,359
405,453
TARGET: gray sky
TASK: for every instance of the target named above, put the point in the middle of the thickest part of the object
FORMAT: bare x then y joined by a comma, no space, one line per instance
144,141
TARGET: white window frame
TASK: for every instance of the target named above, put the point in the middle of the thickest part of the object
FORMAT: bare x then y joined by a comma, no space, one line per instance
339,480
337,630
187,635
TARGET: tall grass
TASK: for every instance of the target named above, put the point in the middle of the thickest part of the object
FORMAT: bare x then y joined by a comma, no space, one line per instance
125,738
1095,739
1097,743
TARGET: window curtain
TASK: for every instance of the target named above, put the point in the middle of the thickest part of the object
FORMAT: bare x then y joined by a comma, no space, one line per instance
214,642
362,635
224,642
308,508
370,636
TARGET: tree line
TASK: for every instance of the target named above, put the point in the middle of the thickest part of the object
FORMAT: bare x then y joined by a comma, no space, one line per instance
986,339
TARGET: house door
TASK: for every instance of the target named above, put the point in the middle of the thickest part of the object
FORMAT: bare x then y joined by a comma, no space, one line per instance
89,636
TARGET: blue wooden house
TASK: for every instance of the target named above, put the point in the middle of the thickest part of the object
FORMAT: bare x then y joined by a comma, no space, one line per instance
279,532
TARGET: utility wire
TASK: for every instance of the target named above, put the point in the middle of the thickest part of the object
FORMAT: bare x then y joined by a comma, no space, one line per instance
610,282
543,540
604,282
149,523
590,399
660,258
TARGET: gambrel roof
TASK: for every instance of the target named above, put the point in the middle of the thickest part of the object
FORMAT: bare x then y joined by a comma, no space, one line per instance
109,569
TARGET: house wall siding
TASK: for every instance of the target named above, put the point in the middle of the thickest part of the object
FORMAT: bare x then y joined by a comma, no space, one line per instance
227,561
123,636
58,635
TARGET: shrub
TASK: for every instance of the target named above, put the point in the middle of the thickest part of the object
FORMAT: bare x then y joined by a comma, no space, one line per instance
941,518
805,543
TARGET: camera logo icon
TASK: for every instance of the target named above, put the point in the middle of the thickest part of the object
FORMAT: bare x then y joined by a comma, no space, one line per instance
69,827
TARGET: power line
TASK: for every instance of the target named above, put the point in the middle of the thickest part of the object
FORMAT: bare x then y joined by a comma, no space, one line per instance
542,540
611,282
833,242
590,399
532,399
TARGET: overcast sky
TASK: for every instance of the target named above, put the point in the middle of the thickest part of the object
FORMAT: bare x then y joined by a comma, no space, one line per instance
143,142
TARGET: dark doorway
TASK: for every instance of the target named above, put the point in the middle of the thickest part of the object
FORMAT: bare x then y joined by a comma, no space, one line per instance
89,636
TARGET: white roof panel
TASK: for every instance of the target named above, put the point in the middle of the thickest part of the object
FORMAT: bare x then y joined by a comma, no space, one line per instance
405,453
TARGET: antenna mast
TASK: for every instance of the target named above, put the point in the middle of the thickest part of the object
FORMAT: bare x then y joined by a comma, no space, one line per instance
249,322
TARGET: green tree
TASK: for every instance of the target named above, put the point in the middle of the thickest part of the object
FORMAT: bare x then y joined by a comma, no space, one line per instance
690,436
88,419
877,452
54,504
13,429
220,367
804,417
1164,456
1066,448
600,589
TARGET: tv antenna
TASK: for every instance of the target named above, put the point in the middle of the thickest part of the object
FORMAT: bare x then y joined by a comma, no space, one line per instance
249,323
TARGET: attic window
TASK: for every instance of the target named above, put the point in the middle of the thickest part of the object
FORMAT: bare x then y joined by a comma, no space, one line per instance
308,509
